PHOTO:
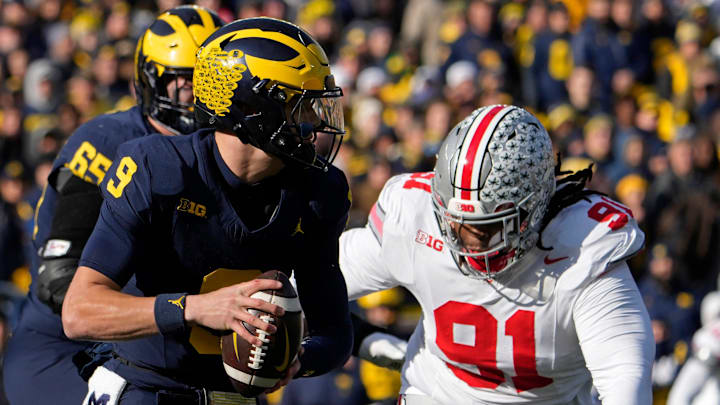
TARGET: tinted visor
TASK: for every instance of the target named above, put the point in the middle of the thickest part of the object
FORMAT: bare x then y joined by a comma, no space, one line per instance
316,124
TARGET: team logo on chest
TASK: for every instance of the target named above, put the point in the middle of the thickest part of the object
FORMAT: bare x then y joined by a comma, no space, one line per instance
192,207
428,240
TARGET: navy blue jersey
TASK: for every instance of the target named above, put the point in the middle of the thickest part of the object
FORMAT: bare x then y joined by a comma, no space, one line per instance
88,154
39,354
171,222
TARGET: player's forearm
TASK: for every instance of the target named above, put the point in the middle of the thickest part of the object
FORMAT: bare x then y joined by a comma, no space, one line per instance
325,303
628,388
96,310
326,349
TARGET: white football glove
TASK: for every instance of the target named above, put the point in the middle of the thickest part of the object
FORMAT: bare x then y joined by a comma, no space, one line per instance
383,350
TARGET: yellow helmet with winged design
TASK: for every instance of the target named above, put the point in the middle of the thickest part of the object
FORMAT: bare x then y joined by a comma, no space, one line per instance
269,82
165,53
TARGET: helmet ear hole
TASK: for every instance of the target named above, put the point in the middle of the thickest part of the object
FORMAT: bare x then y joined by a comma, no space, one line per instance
151,70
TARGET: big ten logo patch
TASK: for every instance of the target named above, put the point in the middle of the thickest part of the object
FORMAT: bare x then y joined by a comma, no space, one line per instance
193,208
428,240
463,207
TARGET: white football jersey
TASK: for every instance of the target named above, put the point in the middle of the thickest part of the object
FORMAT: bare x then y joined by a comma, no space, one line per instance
561,320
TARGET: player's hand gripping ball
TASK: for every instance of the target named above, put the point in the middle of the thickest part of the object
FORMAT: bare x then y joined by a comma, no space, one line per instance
254,369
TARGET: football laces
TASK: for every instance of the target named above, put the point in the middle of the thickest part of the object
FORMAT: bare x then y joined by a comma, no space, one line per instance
255,360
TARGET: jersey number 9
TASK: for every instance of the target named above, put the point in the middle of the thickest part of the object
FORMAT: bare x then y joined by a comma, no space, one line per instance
123,174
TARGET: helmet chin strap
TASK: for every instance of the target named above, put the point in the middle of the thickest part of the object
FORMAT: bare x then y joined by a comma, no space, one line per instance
490,264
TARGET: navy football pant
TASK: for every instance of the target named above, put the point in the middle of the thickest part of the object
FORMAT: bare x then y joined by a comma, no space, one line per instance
39,369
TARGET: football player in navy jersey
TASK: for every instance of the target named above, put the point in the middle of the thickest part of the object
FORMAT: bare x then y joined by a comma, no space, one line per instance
41,363
189,222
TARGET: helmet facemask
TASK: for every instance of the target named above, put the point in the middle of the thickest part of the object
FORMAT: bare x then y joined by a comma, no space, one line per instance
167,105
496,236
312,127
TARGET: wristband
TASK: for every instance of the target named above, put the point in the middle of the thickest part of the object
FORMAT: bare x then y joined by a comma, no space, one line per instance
170,313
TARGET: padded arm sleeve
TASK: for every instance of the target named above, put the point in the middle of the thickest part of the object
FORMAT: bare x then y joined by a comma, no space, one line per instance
76,211
614,331
361,263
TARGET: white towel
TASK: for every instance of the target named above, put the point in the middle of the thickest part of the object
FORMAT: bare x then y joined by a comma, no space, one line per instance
104,388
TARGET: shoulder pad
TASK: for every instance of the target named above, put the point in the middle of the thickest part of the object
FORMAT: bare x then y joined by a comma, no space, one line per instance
400,193
597,231
107,131
91,148
404,190
157,159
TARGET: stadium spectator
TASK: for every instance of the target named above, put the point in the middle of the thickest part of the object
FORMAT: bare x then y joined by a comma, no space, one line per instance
674,312
597,46
12,185
341,386
381,309
597,146
552,63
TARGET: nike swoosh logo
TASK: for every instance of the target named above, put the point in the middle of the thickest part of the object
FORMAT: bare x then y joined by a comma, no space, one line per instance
284,364
548,260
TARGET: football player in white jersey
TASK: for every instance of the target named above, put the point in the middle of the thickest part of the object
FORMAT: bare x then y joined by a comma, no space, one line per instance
699,379
522,280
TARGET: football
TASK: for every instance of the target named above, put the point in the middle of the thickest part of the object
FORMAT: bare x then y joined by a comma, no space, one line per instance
254,369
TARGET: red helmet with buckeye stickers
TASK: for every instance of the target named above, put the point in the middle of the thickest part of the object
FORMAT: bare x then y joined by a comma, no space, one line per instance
494,174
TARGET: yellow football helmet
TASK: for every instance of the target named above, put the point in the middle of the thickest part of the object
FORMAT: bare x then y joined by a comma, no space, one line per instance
269,82
166,52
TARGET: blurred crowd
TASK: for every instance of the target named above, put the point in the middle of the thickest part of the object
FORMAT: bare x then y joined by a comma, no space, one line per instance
629,86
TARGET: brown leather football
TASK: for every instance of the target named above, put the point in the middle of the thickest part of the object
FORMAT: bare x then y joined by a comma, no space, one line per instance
254,369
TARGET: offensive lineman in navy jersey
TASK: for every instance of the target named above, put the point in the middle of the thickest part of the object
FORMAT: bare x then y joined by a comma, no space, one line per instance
188,222
41,363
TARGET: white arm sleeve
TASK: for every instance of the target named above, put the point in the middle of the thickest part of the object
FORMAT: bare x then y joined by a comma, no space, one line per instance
361,263
689,382
616,339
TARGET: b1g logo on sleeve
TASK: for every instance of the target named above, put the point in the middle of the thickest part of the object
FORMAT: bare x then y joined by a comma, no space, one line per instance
428,240
192,207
